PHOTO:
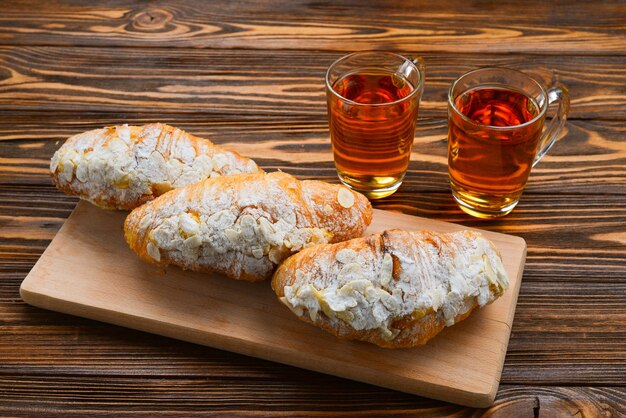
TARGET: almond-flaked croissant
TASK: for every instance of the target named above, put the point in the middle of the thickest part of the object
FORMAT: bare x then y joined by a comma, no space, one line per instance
396,289
244,225
122,167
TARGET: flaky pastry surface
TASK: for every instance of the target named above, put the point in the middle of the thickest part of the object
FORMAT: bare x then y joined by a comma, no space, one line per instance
244,225
122,167
396,289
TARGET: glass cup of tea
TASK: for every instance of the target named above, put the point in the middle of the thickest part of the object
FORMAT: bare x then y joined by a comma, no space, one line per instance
373,99
496,135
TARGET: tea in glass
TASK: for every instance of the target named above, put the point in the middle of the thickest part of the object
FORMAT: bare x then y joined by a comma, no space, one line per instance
495,124
373,101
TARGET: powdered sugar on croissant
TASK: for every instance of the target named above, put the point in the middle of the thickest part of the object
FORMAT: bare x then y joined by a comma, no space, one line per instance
395,289
244,225
122,167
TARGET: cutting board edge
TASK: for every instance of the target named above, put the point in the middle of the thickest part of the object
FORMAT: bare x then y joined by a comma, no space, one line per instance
460,396
509,321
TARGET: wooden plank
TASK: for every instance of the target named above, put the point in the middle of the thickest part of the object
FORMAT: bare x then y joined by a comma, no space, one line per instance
567,337
572,237
575,331
558,401
574,337
453,26
76,275
317,395
590,158
263,82
570,320
573,342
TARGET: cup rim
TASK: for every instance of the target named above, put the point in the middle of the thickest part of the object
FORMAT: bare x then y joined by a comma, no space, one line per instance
541,113
416,89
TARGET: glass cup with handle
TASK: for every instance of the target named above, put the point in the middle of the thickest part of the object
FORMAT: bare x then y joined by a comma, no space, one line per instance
373,99
496,121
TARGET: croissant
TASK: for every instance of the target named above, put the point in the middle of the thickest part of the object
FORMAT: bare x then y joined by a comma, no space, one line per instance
244,225
396,289
122,167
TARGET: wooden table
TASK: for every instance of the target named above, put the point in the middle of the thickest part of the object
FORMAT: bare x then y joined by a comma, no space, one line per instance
249,75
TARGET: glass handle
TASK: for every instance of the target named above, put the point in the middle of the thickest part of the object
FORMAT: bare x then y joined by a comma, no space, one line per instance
406,68
419,63
557,93
421,67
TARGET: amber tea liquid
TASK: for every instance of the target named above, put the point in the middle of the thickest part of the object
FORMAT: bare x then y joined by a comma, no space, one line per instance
372,132
489,167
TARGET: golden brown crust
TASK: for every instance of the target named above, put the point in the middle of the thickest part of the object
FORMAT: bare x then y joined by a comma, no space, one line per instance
316,281
243,225
413,332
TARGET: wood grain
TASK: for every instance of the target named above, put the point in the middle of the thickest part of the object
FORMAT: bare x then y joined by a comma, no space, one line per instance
227,70
569,338
571,238
264,82
590,158
591,254
587,254
454,26
248,396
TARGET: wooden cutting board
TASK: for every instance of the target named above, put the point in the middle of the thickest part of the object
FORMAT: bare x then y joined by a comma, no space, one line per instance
89,271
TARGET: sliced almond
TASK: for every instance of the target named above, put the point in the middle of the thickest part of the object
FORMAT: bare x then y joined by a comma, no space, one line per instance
82,172
491,275
345,198
54,163
193,242
257,252
350,271
388,334
153,251
232,234
145,222
247,224
66,171
346,256
267,230
345,316
188,224
386,270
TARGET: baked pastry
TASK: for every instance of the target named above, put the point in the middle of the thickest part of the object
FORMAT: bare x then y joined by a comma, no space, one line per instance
244,225
396,289
122,167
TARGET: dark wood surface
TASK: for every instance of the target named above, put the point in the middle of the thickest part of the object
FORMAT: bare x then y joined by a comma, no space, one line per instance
249,75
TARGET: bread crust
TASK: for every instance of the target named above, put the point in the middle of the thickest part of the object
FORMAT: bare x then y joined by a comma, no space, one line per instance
410,297
122,167
243,225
